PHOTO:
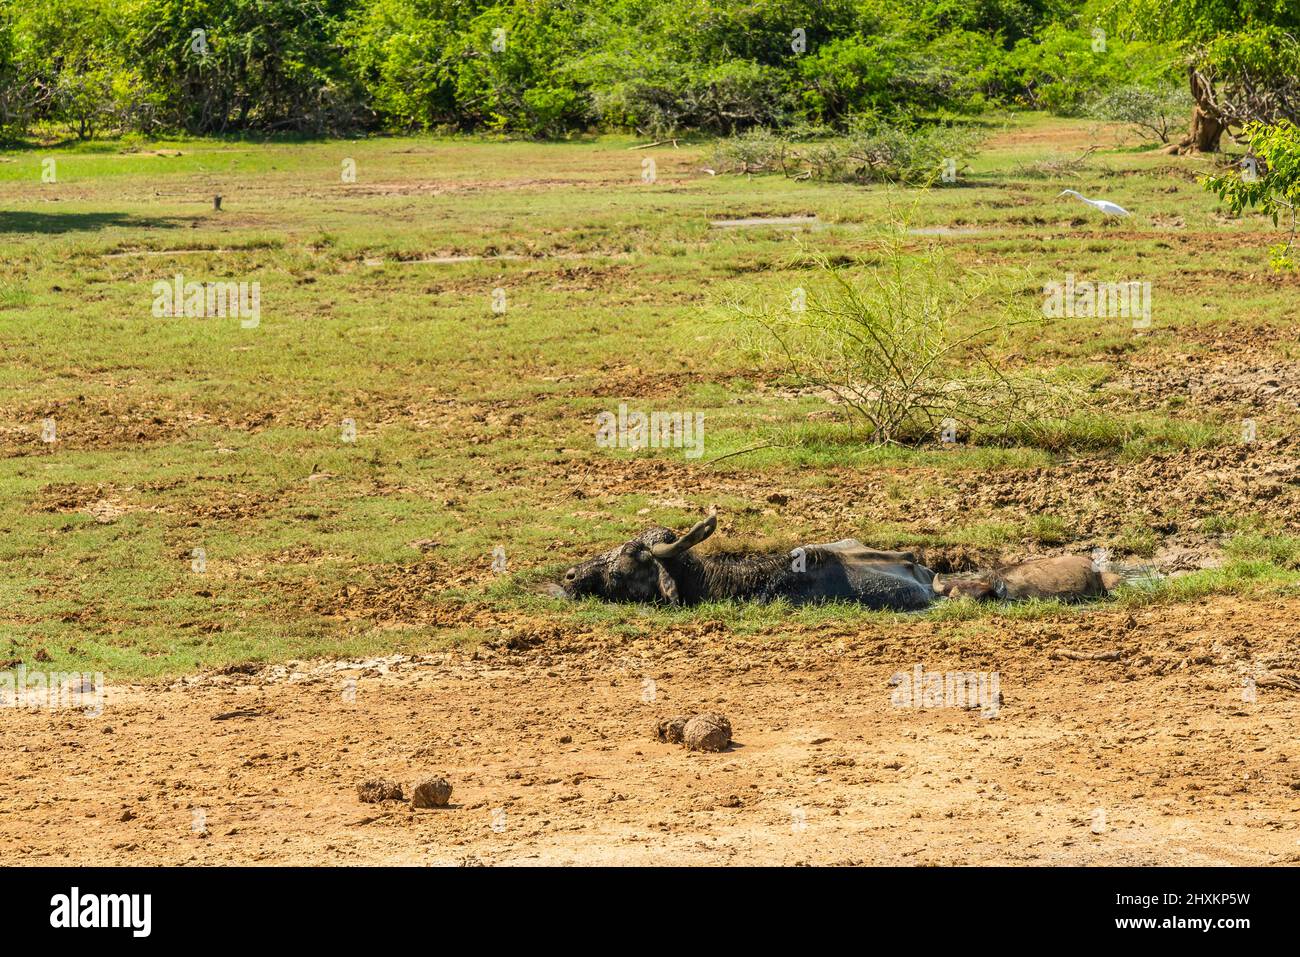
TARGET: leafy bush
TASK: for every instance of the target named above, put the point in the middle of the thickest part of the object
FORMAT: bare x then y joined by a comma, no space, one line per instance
259,64
909,349
754,151
852,75
1269,180
1156,110
524,84
891,152
400,52
870,151
1064,69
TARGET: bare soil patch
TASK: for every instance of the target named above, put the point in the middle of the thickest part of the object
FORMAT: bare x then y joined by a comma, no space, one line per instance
1147,756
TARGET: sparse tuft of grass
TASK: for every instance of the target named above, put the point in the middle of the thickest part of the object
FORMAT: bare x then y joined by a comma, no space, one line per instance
1137,539
1280,550
1050,530
1133,437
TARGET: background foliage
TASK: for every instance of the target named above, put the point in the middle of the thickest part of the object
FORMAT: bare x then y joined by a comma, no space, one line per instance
91,67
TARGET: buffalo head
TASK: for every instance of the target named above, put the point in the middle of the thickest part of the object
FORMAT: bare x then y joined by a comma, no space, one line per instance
635,571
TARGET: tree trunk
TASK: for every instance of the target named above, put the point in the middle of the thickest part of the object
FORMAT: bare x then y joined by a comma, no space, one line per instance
1203,137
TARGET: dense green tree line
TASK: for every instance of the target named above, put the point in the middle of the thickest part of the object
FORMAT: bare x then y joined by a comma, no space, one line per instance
543,67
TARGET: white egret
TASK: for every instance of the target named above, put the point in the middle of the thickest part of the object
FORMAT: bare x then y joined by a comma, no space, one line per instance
1105,205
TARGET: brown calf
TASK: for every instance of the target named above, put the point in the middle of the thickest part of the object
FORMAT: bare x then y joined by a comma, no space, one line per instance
1066,577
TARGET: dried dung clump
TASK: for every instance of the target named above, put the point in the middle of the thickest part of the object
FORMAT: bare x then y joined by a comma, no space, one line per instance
671,730
704,732
435,792
379,789
707,732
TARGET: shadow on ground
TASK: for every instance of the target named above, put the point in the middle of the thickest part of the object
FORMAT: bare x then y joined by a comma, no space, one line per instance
27,222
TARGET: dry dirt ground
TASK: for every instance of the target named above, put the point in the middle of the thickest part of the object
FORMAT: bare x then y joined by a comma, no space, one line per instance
1122,738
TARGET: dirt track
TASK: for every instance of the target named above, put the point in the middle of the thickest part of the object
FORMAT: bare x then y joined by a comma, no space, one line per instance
1155,758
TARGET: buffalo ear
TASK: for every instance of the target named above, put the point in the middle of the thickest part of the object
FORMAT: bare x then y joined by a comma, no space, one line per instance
1000,589
667,586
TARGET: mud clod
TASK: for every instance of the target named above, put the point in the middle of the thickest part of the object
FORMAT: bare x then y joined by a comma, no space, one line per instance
378,789
672,730
435,792
707,732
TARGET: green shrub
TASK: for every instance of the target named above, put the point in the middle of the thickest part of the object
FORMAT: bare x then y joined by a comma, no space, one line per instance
908,348
1061,71
1155,110
1269,180
870,151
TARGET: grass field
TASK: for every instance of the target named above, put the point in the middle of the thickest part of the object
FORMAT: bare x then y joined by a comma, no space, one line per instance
474,428
277,539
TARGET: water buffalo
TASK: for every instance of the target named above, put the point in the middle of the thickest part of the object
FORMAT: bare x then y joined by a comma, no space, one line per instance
660,566
1065,577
